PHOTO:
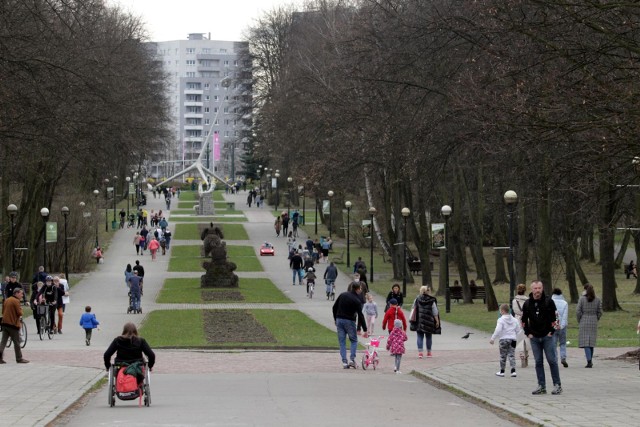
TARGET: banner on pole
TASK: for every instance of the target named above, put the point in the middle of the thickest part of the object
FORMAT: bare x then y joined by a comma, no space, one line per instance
325,207
52,232
437,236
366,228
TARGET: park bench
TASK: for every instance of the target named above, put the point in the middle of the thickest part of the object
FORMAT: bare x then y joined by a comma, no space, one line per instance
338,259
477,292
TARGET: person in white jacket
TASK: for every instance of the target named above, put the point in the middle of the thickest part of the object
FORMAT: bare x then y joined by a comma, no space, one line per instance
506,332
562,309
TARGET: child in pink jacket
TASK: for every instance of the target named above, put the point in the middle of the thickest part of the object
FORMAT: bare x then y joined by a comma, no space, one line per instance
395,344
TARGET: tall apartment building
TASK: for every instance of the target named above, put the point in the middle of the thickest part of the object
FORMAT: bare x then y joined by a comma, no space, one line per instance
206,92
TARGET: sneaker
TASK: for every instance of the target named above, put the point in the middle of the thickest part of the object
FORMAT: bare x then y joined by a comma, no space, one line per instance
2,362
352,364
22,361
398,372
564,363
500,374
60,332
345,366
420,355
428,354
557,389
395,370
589,364
540,390
86,341
513,374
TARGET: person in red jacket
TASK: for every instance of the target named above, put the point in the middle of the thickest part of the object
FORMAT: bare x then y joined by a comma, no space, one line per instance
394,312
153,247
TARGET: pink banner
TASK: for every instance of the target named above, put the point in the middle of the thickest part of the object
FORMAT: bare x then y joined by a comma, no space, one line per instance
216,147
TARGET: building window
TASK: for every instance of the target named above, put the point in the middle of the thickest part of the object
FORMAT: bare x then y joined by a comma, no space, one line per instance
226,110
206,109
223,50
226,97
215,109
191,74
226,63
206,121
206,50
216,123
235,63
206,97
191,62
226,133
206,86
215,98
191,50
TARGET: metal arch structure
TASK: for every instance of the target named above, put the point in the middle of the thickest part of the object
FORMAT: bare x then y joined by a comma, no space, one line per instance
198,165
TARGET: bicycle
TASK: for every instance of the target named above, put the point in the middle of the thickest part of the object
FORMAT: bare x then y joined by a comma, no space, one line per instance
43,312
23,335
370,357
311,286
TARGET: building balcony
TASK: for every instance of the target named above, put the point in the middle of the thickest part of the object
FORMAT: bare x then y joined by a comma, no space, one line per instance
193,103
201,68
193,115
193,91
193,139
192,127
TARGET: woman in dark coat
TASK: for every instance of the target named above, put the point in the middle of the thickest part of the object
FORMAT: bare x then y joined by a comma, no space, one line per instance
425,313
394,293
588,312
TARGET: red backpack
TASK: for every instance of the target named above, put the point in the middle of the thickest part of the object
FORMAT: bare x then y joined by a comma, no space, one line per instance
127,385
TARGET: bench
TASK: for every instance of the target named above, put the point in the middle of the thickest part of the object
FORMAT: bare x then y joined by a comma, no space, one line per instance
338,259
477,292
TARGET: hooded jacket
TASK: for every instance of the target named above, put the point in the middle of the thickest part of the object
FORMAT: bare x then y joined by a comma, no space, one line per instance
563,310
538,316
507,328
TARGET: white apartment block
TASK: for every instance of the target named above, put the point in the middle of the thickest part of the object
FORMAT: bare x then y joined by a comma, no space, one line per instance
204,95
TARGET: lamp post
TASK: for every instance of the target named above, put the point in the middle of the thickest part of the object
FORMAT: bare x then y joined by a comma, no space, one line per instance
405,214
315,192
446,212
45,217
511,200
65,213
372,213
348,205
259,172
115,179
304,195
289,180
135,187
96,193
277,175
330,194
128,179
12,210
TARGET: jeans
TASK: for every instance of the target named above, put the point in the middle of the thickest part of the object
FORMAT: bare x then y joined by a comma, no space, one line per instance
421,336
297,272
346,328
560,337
545,344
588,353
135,301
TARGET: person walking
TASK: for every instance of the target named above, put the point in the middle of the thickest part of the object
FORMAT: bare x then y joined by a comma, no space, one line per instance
427,318
163,224
35,300
88,322
394,294
140,270
516,305
394,312
285,223
167,238
588,312
295,263
11,324
347,310
136,242
561,328
506,332
330,276
277,225
154,245
370,310
395,344
128,272
63,291
135,290
538,319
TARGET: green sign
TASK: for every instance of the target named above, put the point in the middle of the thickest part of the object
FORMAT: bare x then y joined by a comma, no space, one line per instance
132,188
52,232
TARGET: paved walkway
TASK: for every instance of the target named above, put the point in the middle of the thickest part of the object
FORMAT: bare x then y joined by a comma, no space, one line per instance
64,368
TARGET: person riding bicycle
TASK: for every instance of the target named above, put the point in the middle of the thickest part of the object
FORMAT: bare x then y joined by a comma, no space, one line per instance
131,218
50,295
311,277
35,300
129,348
122,214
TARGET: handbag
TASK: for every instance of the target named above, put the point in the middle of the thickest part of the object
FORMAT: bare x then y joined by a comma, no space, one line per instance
413,325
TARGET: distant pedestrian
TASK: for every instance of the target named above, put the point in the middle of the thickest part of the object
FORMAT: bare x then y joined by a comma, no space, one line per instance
296,266
285,223
98,255
330,276
588,312
427,318
63,291
140,270
396,294
11,324
394,313
154,245
395,344
128,272
163,224
370,310
560,334
538,319
277,225
517,305
347,310
506,332
88,322
167,237
135,291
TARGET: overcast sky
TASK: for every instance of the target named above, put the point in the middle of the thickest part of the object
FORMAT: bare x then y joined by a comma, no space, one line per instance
173,19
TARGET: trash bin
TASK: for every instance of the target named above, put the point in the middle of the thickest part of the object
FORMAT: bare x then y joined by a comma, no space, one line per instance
114,225
301,219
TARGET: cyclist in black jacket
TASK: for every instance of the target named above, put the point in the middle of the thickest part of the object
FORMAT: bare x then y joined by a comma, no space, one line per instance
50,295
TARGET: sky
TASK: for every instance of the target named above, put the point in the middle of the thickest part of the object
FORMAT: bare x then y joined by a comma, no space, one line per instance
174,19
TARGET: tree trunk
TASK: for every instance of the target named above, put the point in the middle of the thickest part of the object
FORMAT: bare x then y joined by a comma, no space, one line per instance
636,244
623,249
570,274
424,242
457,243
499,255
522,249
607,235
543,241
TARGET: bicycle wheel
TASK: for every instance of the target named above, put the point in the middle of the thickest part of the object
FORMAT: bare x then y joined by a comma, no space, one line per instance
43,327
23,335
365,359
311,292
111,388
49,328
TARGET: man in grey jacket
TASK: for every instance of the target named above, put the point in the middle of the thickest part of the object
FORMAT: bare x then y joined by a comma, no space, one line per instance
561,330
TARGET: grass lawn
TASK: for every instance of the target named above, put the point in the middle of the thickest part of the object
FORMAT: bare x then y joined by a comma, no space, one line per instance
186,204
188,291
188,195
207,219
190,232
185,328
187,258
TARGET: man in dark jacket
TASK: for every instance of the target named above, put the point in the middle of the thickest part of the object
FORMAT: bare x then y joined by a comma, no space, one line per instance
346,311
538,320
296,265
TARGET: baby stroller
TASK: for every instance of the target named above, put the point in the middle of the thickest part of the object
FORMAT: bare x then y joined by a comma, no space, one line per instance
130,309
131,219
129,381
330,289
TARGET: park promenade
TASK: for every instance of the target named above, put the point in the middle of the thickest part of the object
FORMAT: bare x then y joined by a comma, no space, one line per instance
63,369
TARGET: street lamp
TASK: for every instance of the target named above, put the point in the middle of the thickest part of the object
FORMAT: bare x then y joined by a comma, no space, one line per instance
330,194
405,214
45,216
115,178
289,180
315,192
446,212
12,210
65,213
96,193
511,200
372,213
128,179
347,205
277,175
135,187
268,184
